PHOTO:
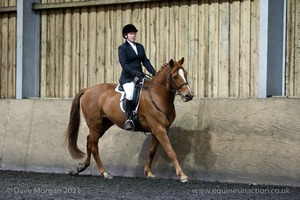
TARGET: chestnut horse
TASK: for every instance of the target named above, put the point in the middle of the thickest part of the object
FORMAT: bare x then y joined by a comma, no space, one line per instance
100,105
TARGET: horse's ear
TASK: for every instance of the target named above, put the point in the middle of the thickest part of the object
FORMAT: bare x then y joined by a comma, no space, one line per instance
181,61
171,63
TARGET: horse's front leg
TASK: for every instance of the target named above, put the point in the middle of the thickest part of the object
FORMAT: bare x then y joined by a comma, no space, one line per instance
164,140
153,148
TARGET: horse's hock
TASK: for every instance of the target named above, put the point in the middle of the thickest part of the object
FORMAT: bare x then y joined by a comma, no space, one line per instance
237,140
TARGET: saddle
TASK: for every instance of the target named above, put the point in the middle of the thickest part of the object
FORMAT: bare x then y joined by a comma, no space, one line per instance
136,101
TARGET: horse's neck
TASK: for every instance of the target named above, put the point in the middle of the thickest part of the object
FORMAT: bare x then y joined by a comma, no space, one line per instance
161,89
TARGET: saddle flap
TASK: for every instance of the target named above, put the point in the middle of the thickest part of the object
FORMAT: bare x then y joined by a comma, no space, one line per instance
136,97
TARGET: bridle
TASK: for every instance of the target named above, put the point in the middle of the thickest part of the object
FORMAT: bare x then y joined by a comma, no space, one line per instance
171,79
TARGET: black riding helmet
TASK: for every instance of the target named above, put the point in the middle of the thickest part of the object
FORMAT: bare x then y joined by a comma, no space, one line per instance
128,28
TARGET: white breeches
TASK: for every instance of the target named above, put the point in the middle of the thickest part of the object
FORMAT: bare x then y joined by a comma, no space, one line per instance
128,88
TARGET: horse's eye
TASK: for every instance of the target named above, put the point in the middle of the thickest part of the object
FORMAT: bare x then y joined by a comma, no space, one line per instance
175,77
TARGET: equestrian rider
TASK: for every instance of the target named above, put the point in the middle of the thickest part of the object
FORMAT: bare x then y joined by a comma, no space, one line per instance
131,57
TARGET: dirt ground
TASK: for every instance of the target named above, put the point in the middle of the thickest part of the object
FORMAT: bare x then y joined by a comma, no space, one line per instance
29,185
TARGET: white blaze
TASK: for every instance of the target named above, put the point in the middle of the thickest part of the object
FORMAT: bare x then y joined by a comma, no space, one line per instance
181,73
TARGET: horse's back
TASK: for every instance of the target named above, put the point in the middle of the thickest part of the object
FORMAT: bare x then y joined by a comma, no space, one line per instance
101,89
104,87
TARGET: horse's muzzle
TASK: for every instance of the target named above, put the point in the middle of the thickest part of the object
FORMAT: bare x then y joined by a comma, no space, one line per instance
186,98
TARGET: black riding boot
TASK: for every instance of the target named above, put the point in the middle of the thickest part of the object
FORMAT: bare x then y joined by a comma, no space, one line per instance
129,125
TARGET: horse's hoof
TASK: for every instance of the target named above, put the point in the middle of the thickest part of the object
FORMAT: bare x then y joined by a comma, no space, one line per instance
81,167
149,175
107,175
184,180
73,173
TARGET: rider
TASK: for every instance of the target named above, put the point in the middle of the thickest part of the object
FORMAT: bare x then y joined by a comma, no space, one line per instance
131,57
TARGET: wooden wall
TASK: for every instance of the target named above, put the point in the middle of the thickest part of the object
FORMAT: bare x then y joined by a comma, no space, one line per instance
293,48
8,30
219,40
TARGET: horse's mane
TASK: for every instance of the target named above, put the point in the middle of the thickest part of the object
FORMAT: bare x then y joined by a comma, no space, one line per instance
162,68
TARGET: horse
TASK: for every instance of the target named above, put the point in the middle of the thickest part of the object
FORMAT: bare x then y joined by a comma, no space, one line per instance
100,105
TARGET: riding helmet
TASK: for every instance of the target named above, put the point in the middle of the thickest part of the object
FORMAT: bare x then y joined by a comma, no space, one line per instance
128,28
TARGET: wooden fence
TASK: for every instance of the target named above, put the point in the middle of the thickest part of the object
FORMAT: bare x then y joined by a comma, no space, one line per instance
218,38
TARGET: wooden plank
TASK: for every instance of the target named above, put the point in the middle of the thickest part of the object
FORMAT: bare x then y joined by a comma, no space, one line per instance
223,84
183,33
213,71
44,57
127,14
1,53
51,68
100,62
163,34
8,9
254,48
12,27
234,49
153,34
67,55
245,49
80,4
59,62
118,41
92,48
204,56
83,48
146,40
109,71
297,50
173,29
75,51
194,47
4,57
143,27
290,35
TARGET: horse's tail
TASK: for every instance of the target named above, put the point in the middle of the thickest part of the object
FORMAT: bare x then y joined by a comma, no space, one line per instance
73,127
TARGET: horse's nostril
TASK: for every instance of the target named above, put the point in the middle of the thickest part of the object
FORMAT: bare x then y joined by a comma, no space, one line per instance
190,97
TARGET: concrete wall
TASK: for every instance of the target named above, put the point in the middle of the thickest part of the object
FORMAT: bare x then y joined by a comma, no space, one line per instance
235,140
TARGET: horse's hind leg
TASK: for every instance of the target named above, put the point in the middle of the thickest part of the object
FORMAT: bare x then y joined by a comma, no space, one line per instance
153,148
82,166
95,152
95,135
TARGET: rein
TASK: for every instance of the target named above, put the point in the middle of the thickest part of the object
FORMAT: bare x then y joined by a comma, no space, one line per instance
168,115
170,78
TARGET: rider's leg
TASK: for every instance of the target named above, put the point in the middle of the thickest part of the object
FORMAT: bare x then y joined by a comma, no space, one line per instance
128,87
